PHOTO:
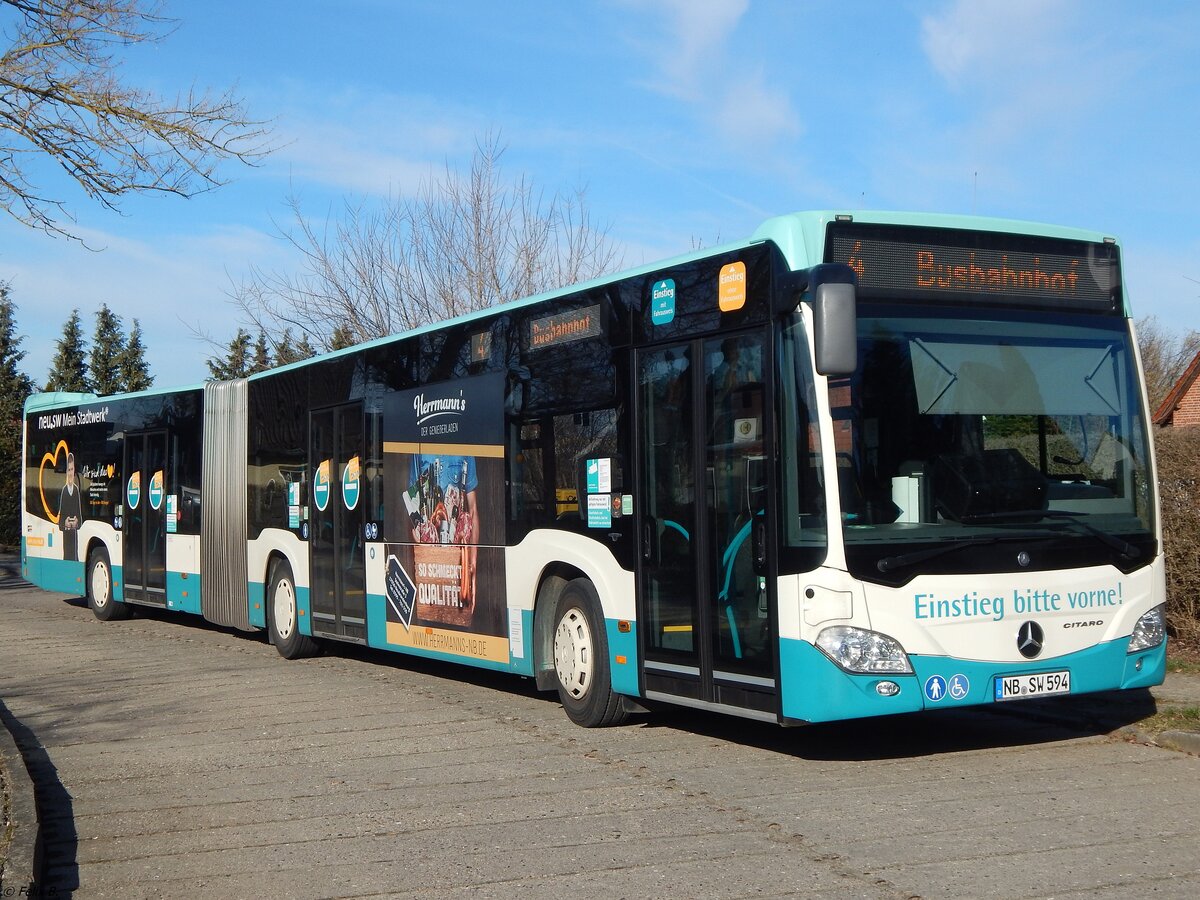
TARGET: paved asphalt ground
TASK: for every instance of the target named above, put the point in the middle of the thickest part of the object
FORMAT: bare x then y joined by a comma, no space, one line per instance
177,760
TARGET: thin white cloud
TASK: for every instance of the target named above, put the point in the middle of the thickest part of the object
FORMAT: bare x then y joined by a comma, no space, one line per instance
698,56
1019,99
756,114
693,43
972,40
373,144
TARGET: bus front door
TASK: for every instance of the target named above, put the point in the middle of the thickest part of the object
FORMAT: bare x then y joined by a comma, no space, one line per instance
338,579
144,557
706,613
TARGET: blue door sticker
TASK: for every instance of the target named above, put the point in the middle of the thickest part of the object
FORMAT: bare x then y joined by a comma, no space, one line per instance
662,302
351,482
321,485
155,493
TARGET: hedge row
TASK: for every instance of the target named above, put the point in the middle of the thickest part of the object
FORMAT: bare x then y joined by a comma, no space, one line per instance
1178,453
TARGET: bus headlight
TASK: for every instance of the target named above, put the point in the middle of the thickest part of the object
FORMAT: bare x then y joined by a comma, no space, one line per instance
861,651
1150,630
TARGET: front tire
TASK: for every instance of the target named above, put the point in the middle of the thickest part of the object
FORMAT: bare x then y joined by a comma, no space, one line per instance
581,664
283,615
100,595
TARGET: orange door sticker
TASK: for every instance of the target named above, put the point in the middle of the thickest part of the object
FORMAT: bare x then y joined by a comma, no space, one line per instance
731,293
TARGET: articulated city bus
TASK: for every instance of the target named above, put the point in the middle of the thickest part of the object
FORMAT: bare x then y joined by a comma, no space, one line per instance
856,465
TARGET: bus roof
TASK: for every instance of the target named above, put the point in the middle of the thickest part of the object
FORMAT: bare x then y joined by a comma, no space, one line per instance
800,237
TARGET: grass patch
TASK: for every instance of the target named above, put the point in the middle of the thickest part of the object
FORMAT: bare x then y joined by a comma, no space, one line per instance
1183,666
1173,718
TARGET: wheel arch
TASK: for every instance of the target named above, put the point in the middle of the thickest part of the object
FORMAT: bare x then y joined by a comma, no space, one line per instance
541,565
275,556
553,578
96,542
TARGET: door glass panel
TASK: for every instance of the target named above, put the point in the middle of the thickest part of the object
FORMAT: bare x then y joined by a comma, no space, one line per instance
350,510
668,407
736,501
325,499
155,477
135,513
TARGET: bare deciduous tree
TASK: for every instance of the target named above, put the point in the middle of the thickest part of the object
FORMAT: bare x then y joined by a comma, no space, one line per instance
462,243
62,98
1165,356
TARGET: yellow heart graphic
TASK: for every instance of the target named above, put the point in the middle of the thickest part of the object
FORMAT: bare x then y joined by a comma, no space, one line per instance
51,458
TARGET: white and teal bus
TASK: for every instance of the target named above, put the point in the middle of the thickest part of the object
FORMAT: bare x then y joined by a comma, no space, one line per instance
859,464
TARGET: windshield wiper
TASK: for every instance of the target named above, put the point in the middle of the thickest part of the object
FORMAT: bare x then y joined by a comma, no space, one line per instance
888,563
1126,549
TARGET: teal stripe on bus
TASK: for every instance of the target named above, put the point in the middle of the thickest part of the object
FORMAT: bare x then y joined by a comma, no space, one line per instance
63,576
816,690
179,584
256,594
623,646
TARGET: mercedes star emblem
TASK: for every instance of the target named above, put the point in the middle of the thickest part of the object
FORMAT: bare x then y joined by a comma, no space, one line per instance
1030,639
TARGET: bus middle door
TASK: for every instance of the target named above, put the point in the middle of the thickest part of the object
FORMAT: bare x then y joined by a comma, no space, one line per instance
706,597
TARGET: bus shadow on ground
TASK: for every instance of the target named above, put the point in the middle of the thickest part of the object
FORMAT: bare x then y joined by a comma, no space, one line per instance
886,737
930,733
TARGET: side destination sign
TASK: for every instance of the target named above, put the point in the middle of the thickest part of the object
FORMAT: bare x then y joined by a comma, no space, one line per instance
565,327
910,262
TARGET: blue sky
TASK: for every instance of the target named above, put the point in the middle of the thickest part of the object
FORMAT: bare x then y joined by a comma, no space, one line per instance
685,121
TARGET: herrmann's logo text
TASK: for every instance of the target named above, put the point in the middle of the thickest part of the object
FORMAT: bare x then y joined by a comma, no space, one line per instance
442,406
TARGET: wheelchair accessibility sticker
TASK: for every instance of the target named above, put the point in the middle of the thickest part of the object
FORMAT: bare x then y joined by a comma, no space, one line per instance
958,688
937,688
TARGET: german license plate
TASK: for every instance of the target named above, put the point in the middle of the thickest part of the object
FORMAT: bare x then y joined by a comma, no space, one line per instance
1042,684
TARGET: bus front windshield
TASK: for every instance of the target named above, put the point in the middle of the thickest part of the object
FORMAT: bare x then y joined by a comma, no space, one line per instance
972,441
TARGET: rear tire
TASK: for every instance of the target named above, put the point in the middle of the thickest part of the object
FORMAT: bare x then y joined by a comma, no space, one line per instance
283,615
581,664
100,595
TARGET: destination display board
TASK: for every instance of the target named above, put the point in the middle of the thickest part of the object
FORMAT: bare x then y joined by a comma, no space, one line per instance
565,327
901,262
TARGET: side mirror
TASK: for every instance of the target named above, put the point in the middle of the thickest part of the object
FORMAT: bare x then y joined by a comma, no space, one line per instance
835,319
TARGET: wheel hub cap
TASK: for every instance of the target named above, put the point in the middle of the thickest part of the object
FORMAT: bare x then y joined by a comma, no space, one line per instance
573,653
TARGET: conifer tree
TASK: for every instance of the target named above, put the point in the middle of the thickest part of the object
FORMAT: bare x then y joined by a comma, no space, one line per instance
261,361
288,351
135,371
236,362
68,369
108,346
15,386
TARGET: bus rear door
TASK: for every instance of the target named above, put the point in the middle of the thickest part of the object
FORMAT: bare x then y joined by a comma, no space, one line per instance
144,558
338,598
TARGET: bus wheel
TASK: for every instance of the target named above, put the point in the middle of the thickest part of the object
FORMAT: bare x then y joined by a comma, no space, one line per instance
100,588
283,618
581,659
